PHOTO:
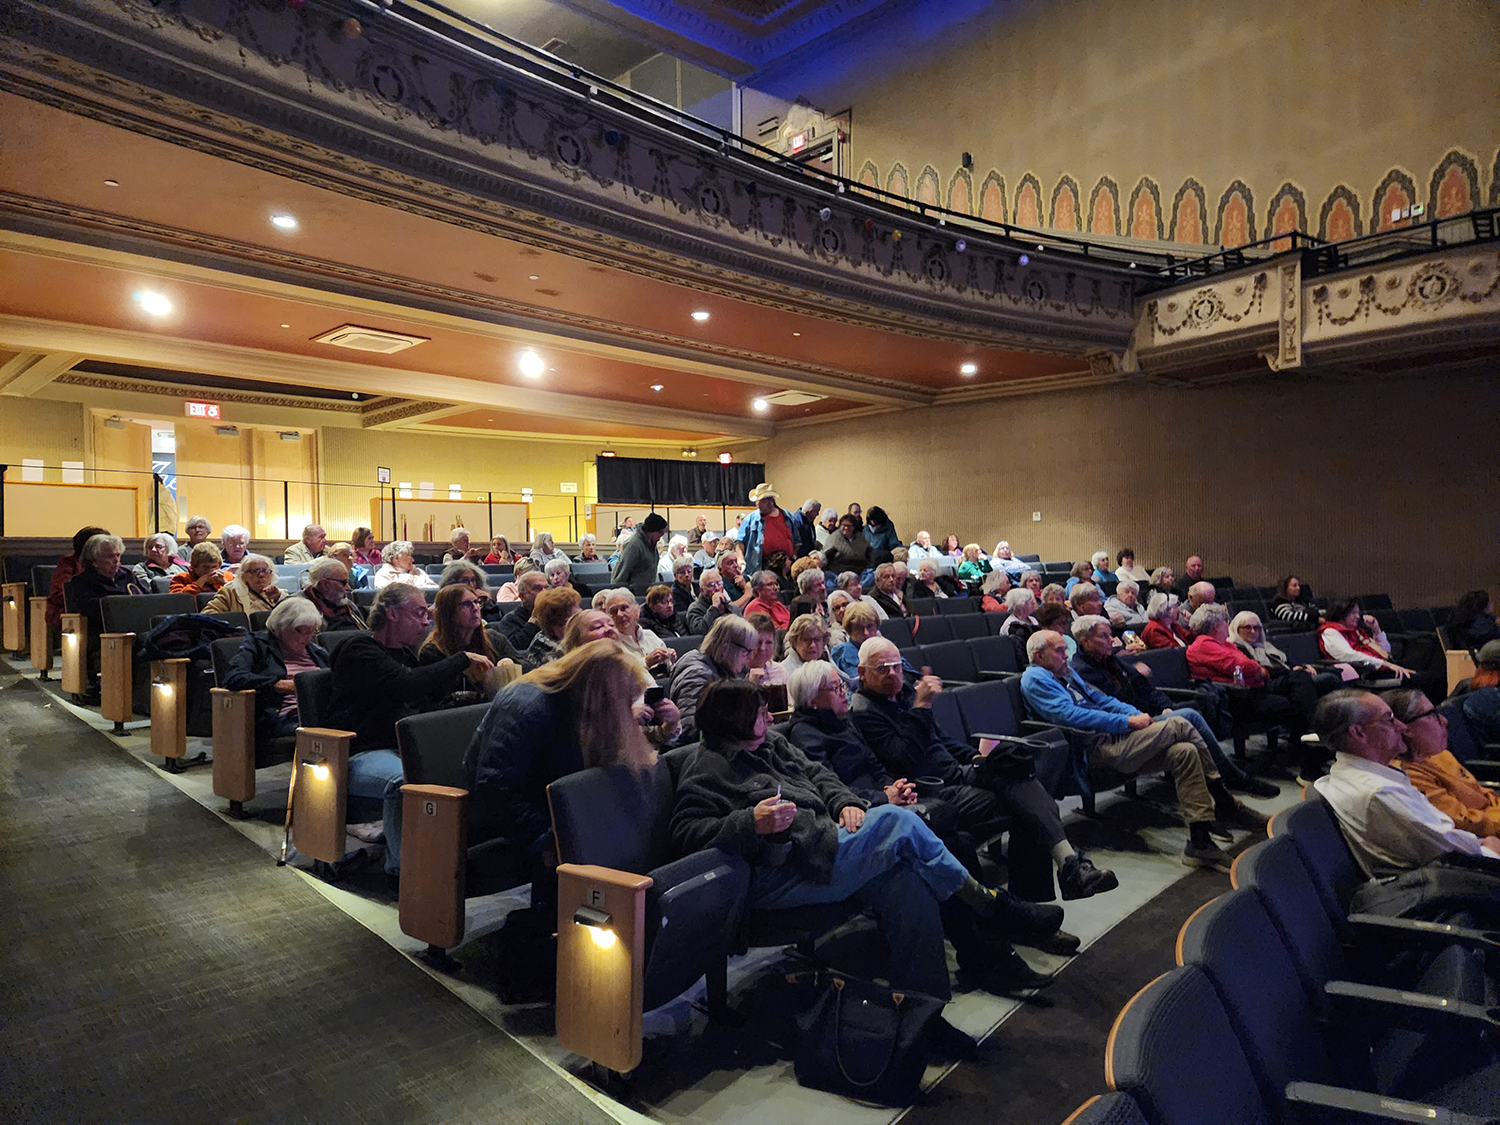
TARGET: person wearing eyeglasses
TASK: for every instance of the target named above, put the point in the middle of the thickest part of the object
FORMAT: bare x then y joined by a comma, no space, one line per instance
377,679
1436,773
328,589
724,655
1389,825
458,626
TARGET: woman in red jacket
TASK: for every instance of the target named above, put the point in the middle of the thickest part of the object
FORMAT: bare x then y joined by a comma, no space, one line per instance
1211,656
1162,629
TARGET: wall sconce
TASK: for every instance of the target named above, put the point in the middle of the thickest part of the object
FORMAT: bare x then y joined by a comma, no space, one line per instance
597,922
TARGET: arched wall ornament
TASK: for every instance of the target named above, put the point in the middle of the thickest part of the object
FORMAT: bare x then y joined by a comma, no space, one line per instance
1454,188
992,204
1235,221
1063,211
1104,207
896,183
1028,210
1144,210
1286,212
869,175
1396,192
1190,210
961,192
1339,218
929,187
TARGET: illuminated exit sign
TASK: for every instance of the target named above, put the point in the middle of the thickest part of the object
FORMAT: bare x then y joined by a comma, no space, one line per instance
799,142
202,410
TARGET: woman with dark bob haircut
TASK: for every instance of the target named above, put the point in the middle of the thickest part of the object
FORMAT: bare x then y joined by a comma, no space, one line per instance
809,839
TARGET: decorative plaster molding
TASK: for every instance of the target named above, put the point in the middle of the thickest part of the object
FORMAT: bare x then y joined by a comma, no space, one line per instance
182,390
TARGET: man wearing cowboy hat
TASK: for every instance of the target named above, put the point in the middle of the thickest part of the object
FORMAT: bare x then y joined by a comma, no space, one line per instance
766,530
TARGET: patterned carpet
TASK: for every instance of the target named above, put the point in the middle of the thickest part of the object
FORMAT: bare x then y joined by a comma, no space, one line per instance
161,969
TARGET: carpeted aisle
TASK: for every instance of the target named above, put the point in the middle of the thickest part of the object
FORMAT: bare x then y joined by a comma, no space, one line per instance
160,969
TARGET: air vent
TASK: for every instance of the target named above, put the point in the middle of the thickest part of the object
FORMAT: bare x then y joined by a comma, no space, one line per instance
369,339
792,398
559,47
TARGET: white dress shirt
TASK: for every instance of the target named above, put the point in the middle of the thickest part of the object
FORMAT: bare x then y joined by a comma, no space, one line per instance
1389,825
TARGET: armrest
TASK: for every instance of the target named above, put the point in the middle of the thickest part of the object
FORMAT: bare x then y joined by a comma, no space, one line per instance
1037,724
1014,739
1413,931
1418,1011
1180,692
434,859
992,674
233,716
1313,1101
608,876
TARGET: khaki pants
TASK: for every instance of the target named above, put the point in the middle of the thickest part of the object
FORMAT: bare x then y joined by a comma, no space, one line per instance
1172,745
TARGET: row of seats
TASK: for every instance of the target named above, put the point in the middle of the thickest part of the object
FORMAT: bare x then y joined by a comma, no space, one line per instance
1284,1007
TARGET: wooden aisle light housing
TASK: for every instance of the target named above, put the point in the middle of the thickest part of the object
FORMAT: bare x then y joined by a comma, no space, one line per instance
319,793
13,616
601,963
117,679
233,717
41,638
434,856
168,710
75,649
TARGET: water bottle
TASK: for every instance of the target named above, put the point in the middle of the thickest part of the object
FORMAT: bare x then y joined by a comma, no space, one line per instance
1239,676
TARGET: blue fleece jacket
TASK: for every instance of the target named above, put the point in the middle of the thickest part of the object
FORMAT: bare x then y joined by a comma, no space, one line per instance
1074,703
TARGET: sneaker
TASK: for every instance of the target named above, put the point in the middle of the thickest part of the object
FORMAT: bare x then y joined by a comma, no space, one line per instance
1062,943
372,833
1206,856
1252,786
949,1043
1241,815
1003,977
1079,878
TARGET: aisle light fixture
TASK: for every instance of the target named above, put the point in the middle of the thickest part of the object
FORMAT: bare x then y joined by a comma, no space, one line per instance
597,922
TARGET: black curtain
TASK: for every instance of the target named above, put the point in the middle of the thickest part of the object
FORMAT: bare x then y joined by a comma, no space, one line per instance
641,480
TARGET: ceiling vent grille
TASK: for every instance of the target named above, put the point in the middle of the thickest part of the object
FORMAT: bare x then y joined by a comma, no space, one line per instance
359,339
559,47
793,398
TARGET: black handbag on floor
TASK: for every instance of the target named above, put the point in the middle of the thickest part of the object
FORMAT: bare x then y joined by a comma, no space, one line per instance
866,1041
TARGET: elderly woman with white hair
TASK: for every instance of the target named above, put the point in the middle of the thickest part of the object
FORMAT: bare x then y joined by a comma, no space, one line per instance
269,661
160,561
1162,629
1101,572
544,550
625,612
588,548
992,589
1004,560
1020,608
400,566
234,542
677,548
1123,607
723,655
1213,657
1305,683
197,529
838,602
252,590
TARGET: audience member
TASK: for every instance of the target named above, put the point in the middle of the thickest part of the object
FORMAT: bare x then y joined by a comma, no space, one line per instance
1472,623
825,528
708,551
1247,632
1388,824
762,669
253,590
458,626
588,548
804,523
851,584
809,840
805,642
846,548
1032,581
1100,571
400,567
268,663
724,654
467,574
1129,741
359,575
838,601
1020,609
1254,698
765,586
711,604
517,626
1199,594
677,551
922,548
980,789
588,625
1123,608
462,548
1125,567
928,584
1350,637
511,591
1294,604
197,529
1002,559
559,573
1059,619
812,590
1053,594
309,547
376,681
1481,703
550,613
234,544
880,533
1435,772
203,575
637,565
1096,664
1083,571
500,553
621,606
890,598
103,577
767,530
366,553
698,531
161,562
731,569
993,588
1163,630
328,590
1192,571
582,710
975,566
68,567
659,614
544,549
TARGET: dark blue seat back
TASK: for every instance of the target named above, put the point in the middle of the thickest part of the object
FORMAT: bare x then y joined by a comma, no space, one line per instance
987,708
968,626
947,717
950,607
613,817
1113,1108
1300,648
314,697
1169,666
897,630
1330,864
921,607
432,746
995,654
950,660
1275,869
931,629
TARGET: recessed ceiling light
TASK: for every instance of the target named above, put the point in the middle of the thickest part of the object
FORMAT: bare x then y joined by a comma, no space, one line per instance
153,303
700,315
967,368
796,333
535,276
531,364
286,326
283,221
657,387
759,405
111,183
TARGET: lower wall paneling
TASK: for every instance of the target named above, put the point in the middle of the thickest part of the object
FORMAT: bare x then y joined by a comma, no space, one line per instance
1358,487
